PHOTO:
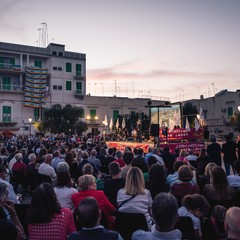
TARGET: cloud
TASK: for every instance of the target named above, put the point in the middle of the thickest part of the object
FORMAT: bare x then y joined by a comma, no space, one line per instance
119,72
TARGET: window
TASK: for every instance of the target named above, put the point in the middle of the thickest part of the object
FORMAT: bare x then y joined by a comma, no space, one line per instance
81,113
7,62
59,68
78,70
230,112
60,54
38,63
115,114
78,87
54,53
6,114
68,85
55,87
55,68
93,113
6,83
36,113
68,67
59,87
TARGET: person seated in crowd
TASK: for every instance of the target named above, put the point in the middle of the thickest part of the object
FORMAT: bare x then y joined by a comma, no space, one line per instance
19,165
151,161
234,180
138,198
10,226
87,185
186,186
156,154
182,156
192,158
56,159
73,165
119,159
127,158
46,169
194,206
173,178
95,161
139,160
64,189
46,219
232,223
157,180
165,215
84,161
218,192
88,169
89,216
32,171
205,179
111,186
11,194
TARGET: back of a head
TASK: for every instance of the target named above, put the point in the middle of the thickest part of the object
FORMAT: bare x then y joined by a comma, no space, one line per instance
213,138
232,222
196,202
177,165
18,157
85,181
140,151
118,154
110,151
134,181
185,173
219,178
85,155
209,168
88,212
157,174
93,153
87,169
62,167
114,168
165,211
151,160
128,157
56,153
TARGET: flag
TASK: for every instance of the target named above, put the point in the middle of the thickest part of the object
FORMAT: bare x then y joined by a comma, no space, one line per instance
105,122
201,114
117,123
111,123
187,126
197,125
123,123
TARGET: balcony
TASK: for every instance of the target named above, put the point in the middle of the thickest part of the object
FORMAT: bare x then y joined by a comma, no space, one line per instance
10,68
79,94
78,76
11,88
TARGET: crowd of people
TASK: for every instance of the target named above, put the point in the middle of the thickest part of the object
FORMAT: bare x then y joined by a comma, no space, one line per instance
76,188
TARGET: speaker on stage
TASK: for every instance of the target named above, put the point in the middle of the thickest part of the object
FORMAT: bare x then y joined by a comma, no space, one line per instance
154,130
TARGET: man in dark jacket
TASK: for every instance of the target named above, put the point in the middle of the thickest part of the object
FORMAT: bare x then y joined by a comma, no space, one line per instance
89,216
214,151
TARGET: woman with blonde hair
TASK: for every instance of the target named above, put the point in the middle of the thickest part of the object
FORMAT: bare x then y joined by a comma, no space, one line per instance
134,197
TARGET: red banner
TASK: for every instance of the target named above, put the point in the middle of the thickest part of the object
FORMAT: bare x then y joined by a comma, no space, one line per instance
180,134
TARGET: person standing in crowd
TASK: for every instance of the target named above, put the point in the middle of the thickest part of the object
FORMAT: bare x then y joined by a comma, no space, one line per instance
165,215
214,151
229,154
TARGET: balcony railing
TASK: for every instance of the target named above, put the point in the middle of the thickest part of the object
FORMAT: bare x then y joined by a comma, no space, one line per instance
11,88
79,94
10,67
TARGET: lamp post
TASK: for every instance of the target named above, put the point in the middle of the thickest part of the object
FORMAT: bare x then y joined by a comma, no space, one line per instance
30,124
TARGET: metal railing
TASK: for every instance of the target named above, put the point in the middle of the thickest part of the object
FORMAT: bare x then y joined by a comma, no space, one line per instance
8,66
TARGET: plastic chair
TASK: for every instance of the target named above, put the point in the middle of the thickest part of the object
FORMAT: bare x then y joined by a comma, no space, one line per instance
128,223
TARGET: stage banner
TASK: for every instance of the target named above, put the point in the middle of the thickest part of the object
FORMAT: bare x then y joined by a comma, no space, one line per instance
179,134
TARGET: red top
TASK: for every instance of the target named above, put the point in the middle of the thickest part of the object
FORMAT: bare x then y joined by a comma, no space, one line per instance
120,161
105,206
19,166
58,229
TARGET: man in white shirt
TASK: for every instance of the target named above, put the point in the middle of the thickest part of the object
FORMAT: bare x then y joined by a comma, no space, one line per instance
46,168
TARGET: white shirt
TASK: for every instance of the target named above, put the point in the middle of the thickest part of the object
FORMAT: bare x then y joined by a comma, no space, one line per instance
11,163
234,180
139,204
183,212
11,194
64,195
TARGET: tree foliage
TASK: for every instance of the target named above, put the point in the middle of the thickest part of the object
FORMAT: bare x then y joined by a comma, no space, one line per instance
58,119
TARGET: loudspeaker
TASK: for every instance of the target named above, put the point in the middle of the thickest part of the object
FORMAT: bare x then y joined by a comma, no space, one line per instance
206,134
154,130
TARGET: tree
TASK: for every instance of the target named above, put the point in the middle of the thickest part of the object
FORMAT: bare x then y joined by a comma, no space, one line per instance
58,119
190,111
81,127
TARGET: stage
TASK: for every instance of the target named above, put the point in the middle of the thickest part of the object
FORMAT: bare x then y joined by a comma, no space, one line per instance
122,145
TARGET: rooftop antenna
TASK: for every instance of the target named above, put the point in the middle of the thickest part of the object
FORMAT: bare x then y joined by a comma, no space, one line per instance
39,36
44,35
115,83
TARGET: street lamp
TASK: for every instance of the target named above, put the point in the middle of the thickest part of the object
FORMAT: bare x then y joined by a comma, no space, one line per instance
238,108
30,123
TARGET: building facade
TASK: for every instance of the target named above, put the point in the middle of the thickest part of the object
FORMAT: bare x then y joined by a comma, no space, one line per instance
34,78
